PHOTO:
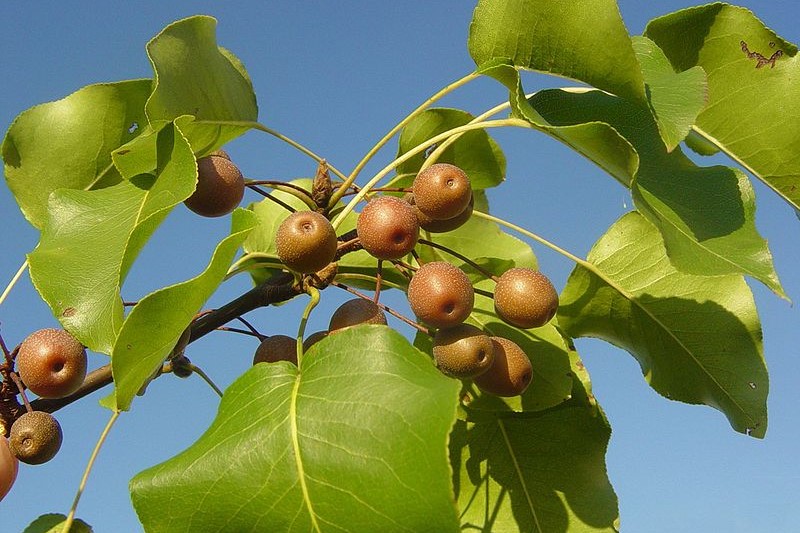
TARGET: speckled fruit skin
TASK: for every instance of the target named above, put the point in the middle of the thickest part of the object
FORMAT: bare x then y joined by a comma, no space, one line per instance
462,351
440,294
356,311
387,228
220,187
511,370
51,363
35,437
525,298
9,466
443,226
306,242
442,191
276,348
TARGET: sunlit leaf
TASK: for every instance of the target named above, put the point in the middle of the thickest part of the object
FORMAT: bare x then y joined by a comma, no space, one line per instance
356,440
90,238
194,76
157,321
705,214
697,338
68,143
551,36
753,82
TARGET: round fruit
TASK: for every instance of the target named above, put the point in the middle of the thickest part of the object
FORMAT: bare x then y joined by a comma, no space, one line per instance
35,437
306,242
51,363
440,294
442,191
356,311
462,351
432,225
220,187
387,228
314,338
525,298
510,373
9,465
276,348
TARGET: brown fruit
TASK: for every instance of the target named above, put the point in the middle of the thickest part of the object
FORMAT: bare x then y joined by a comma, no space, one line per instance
387,228
35,437
356,311
442,191
220,187
51,363
442,226
276,348
306,242
510,373
440,294
462,351
525,298
9,465
314,338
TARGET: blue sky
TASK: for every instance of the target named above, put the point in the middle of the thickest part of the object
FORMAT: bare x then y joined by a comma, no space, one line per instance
336,76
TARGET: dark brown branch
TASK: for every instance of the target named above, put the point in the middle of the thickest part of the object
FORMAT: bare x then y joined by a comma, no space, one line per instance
278,288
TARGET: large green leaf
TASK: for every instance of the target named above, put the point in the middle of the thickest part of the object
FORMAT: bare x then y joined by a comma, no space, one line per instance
68,143
90,239
583,39
675,99
750,113
356,440
194,76
697,338
155,324
541,472
474,152
705,214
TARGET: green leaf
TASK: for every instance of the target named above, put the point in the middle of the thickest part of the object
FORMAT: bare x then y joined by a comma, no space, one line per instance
90,238
54,523
595,140
68,143
356,440
705,214
475,152
551,36
539,472
155,324
750,114
697,338
194,76
675,99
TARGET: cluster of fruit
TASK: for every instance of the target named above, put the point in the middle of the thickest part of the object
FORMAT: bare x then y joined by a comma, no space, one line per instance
51,363
439,293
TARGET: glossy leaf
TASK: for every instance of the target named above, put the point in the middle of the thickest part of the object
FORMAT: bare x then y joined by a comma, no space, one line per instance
155,324
551,36
675,99
705,214
91,237
194,76
354,441
68,143
697,338
477,154
538,472
753,80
